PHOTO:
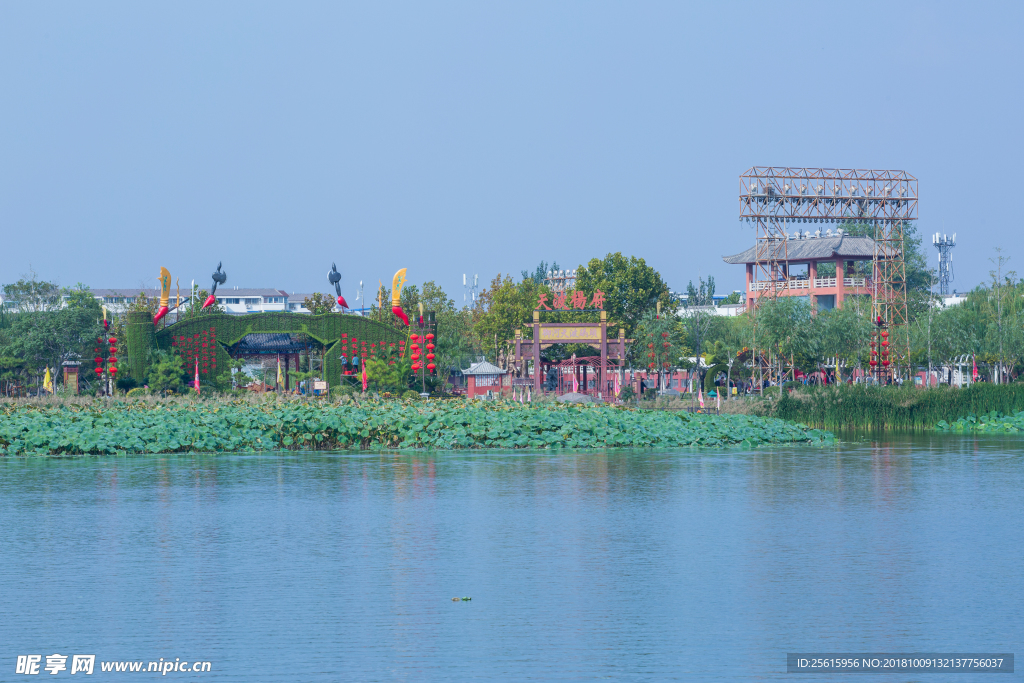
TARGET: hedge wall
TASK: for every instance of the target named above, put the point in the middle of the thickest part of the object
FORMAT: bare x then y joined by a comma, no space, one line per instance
207,337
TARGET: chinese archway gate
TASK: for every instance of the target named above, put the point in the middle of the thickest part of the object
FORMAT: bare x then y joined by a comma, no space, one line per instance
594,334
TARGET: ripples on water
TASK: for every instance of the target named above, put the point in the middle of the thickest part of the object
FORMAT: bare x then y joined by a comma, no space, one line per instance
629,566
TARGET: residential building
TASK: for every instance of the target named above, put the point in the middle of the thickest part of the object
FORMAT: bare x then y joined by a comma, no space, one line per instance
235,300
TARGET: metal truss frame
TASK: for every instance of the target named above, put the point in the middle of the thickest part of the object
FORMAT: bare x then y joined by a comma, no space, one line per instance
773,198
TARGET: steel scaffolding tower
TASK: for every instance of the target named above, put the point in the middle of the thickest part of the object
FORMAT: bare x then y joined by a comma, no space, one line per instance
945,246
772,198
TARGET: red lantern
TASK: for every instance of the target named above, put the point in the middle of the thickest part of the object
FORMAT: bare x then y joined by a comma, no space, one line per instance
112,340
885,363
415,347
99,371
430,356
431,366
99,361
872,362
113,371
430,335
414,337
113,349
885,333
415,356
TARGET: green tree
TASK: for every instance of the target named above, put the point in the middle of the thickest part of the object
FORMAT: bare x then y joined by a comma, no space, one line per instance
500,310
842,334
47,337
392,374
918,275
698,316
540,273
785,326
631,288
32,295
659,344
166,372
319,303
454,342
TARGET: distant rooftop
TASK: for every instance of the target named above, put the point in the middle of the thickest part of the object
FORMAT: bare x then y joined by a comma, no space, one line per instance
811,248
483,368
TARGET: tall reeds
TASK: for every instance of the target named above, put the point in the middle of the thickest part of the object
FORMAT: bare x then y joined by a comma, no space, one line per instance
894,408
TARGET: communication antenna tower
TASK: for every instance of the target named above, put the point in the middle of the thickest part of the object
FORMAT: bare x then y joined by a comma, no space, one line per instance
469,293
945,246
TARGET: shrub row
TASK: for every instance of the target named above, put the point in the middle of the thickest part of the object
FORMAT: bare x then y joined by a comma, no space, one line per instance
908,408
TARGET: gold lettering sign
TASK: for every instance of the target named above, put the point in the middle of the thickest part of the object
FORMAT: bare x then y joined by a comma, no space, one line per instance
570,334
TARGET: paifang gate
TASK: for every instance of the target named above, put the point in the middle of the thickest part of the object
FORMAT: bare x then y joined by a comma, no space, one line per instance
547,334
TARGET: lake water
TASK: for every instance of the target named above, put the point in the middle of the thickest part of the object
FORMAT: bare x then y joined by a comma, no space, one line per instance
619,565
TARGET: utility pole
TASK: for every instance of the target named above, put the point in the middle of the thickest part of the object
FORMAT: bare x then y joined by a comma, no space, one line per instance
999,261
931,305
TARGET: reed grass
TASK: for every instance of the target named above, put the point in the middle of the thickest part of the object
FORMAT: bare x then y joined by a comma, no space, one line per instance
842,407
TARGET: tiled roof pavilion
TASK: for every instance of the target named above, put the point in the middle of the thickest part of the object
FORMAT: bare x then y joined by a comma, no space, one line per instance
810,249
844,247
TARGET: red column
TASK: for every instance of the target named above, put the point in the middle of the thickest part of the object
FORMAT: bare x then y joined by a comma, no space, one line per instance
839,283
471,386
537,369
602,383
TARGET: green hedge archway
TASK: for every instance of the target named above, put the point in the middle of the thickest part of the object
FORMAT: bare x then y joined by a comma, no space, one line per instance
206,338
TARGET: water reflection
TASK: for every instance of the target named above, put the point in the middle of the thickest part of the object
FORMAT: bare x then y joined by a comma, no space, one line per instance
635,566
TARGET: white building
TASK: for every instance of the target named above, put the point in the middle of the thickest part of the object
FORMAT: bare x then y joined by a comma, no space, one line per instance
235,300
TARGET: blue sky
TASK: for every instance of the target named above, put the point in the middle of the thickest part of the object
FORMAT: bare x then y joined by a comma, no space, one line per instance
480,137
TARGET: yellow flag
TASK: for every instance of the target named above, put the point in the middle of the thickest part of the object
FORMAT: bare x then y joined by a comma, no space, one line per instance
165,286
48,381
280,377
396,287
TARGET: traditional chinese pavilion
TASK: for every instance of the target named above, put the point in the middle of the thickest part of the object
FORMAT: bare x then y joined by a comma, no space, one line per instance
806,252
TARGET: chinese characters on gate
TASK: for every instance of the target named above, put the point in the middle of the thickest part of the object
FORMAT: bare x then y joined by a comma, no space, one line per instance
568,301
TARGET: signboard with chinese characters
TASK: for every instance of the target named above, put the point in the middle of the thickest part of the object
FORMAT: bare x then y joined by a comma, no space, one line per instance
570,301
574,333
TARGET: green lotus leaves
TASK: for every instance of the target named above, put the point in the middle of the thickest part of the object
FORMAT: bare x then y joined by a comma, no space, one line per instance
993,422
230,427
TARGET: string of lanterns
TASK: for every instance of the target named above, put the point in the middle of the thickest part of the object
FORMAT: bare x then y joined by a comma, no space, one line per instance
106,357
422,356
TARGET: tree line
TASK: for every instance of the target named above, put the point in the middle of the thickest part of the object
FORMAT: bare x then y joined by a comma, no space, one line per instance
41,324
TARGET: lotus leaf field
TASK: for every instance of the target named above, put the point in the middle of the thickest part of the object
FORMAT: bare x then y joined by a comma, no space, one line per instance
993,422
200,426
